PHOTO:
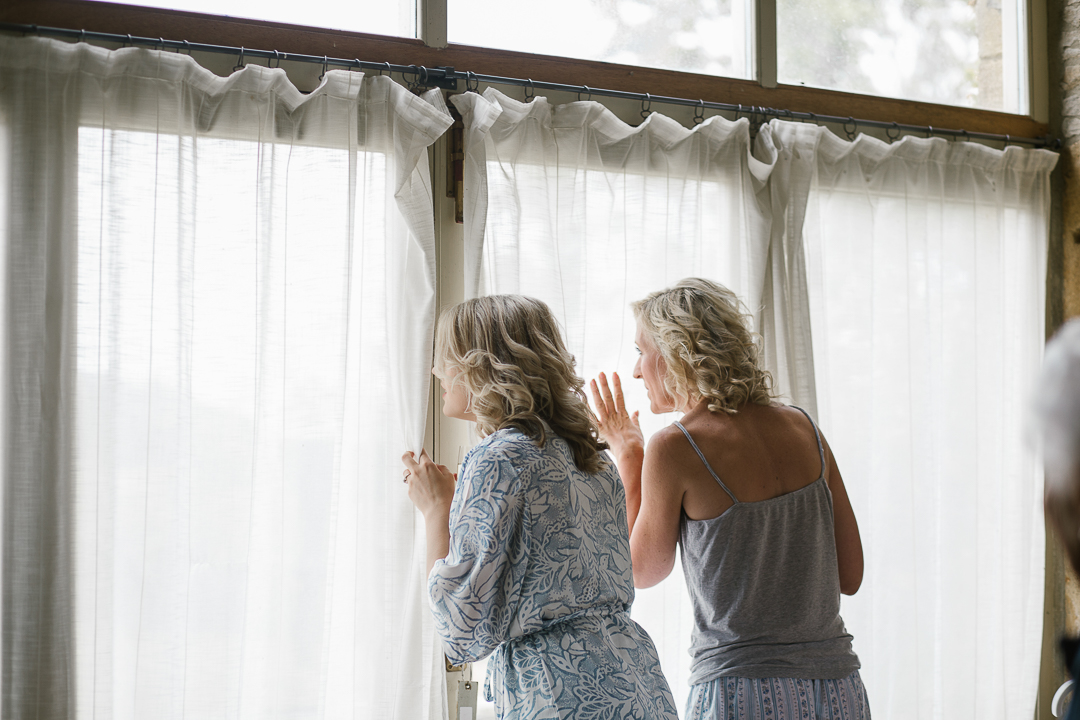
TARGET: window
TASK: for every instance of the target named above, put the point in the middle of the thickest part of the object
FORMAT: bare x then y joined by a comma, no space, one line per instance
239,317
699,36
450,438
953,52
392,17
886,282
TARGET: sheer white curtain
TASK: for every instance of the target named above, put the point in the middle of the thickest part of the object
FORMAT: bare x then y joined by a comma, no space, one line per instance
926,263
571,205
898,288
217,318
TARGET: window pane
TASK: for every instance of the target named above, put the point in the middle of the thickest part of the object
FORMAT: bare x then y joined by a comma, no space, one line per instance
953,52
703,36
380,17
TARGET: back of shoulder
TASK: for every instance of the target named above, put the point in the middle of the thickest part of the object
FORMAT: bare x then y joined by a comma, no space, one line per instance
667,443
509,445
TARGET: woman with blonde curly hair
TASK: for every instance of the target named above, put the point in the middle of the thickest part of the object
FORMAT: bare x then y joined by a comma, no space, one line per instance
529,556
749,491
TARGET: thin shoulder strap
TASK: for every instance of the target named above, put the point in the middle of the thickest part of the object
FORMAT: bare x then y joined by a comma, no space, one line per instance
707,465
817,436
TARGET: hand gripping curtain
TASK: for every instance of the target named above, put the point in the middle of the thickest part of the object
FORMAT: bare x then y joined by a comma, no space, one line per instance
217,320
925,265
573,206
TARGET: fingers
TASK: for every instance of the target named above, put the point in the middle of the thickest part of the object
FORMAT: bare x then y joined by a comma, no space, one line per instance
620,406
414,462
605,389
634,419
598,403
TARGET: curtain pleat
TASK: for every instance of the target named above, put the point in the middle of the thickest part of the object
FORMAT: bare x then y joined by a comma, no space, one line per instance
925,264
219,303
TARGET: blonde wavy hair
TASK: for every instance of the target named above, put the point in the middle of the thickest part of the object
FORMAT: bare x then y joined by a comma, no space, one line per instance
702,332
510,356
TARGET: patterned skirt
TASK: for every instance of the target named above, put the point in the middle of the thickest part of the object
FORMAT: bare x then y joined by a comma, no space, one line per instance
738,698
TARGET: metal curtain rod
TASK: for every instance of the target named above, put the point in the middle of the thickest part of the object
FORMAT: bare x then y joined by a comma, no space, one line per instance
447,77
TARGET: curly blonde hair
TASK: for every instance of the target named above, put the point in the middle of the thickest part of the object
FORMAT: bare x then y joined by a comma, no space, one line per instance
702,332
510,356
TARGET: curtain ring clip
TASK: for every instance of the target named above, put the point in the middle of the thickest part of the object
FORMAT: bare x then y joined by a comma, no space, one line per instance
646,105
472,84
889,132
699,112
240,64
325,64
587,91
530,92
854,128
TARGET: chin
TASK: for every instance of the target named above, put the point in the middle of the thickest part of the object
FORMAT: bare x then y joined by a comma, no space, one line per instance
659,407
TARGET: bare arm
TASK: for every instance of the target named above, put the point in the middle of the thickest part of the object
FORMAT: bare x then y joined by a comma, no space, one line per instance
653,492
655,535
849,553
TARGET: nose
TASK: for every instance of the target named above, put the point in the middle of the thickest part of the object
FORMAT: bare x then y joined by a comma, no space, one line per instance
637,368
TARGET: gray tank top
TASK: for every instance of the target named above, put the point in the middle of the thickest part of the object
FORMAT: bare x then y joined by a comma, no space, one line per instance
765,587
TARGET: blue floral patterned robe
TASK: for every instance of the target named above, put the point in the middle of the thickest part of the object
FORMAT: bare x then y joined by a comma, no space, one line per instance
539,572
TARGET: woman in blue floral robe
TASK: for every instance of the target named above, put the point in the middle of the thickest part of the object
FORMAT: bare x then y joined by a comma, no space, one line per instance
529,554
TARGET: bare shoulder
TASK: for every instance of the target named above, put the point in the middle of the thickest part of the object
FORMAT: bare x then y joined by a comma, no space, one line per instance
666,450
665,441
795,420
790,413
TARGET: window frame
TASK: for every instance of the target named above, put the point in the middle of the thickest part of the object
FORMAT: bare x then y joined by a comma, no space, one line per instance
433,50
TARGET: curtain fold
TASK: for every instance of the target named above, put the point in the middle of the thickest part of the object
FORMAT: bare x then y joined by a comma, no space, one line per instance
925,265
899,290
218,308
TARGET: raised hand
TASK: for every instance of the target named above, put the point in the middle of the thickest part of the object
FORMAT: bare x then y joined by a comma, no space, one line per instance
618,428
